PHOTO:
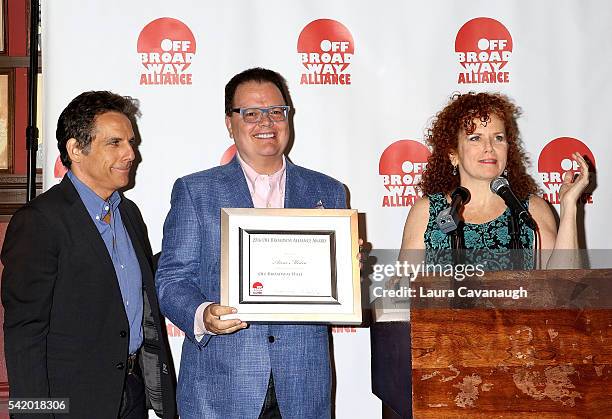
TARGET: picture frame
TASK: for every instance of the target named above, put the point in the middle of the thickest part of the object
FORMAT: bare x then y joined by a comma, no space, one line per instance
291,265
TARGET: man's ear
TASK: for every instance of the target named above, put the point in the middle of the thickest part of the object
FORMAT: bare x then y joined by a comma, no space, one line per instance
74,151
228,124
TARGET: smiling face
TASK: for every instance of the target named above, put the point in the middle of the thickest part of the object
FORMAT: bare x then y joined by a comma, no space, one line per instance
481,155
261,144
105,166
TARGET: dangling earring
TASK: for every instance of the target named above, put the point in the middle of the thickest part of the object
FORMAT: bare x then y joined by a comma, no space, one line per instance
505,173
454,170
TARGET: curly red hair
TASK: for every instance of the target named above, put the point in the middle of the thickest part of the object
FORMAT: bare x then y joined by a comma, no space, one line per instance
459,114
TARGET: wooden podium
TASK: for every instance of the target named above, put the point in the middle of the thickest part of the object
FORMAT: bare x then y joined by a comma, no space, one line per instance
548,357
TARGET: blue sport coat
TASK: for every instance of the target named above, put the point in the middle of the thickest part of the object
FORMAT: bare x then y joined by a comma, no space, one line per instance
226,376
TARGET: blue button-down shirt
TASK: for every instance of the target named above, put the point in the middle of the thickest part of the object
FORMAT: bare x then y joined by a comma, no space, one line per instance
121,251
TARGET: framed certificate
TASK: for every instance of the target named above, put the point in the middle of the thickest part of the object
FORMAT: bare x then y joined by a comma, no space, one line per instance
290,265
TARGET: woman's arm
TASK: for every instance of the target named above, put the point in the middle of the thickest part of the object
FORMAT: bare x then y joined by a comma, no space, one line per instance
416,223
566,237
569,194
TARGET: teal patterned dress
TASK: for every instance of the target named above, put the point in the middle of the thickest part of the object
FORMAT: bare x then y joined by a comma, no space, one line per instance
487,243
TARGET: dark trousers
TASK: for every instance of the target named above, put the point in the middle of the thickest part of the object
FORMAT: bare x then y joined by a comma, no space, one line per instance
133,399
270,409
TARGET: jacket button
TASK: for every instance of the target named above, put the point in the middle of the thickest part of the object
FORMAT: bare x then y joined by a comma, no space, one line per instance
271,339
123,333
120,366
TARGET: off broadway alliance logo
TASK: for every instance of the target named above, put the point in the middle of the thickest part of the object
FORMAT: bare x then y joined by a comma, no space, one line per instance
166,48
326,49
484,47
556,159
401,167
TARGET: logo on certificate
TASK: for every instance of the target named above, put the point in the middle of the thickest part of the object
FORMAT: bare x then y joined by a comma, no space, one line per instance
257,288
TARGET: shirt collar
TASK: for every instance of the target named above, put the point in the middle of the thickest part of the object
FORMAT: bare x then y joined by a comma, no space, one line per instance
96,206
252,175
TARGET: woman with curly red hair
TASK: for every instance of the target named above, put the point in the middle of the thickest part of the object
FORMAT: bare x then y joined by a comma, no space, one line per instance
474,140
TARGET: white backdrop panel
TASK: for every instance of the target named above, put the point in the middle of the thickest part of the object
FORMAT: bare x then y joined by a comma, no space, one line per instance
403,71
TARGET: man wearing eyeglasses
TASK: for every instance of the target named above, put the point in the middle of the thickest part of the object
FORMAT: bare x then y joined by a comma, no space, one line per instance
229,370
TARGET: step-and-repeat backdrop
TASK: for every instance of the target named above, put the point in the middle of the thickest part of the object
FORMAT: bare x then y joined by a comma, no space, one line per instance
365,77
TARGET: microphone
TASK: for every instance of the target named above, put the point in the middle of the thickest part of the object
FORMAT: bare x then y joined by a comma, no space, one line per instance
448,219
501,187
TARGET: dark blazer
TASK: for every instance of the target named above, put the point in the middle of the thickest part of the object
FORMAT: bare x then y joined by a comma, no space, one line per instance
65,329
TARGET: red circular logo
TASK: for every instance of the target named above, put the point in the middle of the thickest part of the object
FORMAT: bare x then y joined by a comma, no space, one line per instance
401,167
257,288
556,159
166,41
326,49
166,47
483,46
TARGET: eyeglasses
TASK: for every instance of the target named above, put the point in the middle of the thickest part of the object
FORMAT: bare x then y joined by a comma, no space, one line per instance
254,115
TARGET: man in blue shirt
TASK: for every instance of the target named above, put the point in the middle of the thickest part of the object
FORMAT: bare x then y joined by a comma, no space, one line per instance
81,314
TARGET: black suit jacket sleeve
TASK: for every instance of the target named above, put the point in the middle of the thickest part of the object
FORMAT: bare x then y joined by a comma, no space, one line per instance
30,257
